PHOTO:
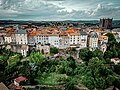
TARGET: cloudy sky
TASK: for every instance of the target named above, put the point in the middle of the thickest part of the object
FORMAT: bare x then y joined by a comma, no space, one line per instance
59,9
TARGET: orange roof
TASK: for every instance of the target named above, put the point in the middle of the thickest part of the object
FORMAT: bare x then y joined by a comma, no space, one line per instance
19,88
24,25
69,31
102,37
99,31
8,29
116,59
63,33
32,33
38,32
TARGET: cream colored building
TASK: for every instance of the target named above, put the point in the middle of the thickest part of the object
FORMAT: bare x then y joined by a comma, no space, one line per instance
93,41
63,40
43,49
74,36
83,39
24,50
8,38
21,37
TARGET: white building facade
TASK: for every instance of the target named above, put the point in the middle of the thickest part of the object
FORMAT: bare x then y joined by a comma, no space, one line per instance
21,37
83,39
93,41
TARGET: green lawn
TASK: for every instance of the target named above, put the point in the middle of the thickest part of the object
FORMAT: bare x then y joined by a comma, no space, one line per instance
51,79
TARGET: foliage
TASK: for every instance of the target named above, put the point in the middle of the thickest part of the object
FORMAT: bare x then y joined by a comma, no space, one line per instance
86,54
73,49
36,57
13,59
117,68
40,70
111,38
53,50
51,79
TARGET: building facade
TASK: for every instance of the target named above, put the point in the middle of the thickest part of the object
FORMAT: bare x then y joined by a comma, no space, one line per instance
93,41
21,37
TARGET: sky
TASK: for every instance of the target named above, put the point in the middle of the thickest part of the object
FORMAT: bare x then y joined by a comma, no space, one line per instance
53,10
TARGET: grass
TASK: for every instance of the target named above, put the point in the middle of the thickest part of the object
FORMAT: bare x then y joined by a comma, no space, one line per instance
51,79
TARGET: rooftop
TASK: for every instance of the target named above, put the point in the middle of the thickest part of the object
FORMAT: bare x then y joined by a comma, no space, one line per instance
19,79
102,37
3,87
21,31
93,35
83,32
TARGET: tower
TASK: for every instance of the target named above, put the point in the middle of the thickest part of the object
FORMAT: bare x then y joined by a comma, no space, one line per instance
106,23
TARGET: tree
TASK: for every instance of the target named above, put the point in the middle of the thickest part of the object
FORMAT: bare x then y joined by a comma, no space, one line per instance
111,38
74,49
36,57
97,53
95,75
84,54
117,68
108,54
53,50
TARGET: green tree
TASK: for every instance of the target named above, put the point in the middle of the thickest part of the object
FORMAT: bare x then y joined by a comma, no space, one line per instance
97,53
95,75
36,57
117,68
111,38
84,54
53,50
108,54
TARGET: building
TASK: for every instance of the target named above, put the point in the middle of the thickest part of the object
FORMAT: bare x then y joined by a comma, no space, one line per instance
116,30
99,32
116,35
93,41
2,41
31,38
8,38
63,40
3,87
21,37
74,36
102,39
103,47
41,37
54,40
24,50
43,49
115,60
2,36
105,23
18,80
83,39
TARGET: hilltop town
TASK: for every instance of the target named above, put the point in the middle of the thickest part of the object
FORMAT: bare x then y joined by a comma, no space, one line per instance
24,38
60,55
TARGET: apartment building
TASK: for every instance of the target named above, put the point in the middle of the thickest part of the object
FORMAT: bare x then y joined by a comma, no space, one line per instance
21,37
83,39
74,36
63,40
93,41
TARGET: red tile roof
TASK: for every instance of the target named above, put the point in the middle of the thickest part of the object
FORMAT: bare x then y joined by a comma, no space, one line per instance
33,33
8,29
21,78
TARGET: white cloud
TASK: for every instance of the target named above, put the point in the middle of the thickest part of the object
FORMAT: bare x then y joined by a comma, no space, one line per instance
59,10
